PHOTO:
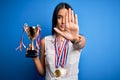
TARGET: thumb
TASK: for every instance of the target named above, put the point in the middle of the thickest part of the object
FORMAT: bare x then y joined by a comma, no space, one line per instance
58,31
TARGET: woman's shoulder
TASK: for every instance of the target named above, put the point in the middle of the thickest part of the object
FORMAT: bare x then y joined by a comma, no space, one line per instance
49,37
45,41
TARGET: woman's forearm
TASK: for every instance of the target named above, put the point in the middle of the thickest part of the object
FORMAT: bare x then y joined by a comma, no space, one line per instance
39,66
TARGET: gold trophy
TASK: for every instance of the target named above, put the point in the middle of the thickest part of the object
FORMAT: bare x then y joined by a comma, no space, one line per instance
32,33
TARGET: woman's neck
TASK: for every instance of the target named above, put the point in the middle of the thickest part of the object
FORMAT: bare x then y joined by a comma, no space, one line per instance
61,38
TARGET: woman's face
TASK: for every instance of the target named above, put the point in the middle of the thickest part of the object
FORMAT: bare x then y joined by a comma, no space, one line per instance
61,19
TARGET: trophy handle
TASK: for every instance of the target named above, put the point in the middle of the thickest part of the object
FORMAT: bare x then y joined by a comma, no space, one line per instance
32,44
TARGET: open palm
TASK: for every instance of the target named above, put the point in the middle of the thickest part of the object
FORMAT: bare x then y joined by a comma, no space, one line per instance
71,26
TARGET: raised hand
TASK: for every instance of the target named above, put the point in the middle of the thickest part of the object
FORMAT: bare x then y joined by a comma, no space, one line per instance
71,31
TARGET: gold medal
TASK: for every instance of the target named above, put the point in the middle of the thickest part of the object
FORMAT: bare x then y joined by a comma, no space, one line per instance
60,72
57,73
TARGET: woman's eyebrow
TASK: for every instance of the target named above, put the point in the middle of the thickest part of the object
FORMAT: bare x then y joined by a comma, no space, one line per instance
59,15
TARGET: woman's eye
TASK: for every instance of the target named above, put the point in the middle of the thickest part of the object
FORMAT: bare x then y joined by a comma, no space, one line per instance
59,17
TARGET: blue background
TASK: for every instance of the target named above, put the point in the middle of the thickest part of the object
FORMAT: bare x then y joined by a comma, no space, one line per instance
99,21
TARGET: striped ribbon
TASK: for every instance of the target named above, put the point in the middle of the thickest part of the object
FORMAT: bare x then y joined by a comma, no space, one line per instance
21,40
61,53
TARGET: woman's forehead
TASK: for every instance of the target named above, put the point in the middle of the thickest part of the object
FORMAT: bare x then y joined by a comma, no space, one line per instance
62,11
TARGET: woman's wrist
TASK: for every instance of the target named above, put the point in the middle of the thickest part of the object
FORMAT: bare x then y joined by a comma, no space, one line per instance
77,39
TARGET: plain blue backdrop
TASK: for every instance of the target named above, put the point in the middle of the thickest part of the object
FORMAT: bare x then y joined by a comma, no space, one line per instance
99,22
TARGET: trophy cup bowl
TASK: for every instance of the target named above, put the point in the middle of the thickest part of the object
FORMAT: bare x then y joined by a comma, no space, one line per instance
32,33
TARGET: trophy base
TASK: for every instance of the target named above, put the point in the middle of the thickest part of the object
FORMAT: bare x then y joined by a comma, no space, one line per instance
31,54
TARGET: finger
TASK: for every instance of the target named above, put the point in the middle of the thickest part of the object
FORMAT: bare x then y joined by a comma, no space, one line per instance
66,17
30,46
27,49
64,34
69,15
66,20
72,14
58,31
76,19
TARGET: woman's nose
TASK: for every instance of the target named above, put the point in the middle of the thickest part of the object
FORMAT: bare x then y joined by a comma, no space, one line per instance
63,20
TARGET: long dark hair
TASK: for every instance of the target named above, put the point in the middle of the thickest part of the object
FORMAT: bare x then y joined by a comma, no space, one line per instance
55,14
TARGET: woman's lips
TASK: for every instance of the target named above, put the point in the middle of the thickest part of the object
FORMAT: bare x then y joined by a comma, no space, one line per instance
62,26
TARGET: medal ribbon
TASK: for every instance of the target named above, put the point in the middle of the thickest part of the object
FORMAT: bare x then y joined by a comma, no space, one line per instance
61,53
21,40
38,39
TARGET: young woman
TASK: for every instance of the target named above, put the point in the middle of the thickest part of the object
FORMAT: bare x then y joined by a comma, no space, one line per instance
60,52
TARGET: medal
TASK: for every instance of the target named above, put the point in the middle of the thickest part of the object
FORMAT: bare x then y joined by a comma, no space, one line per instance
60,72
57,73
